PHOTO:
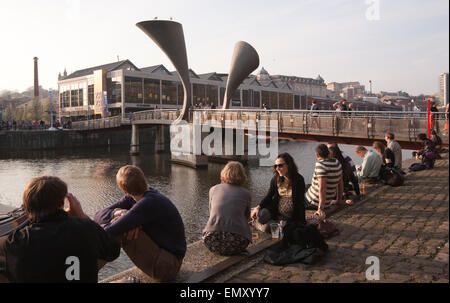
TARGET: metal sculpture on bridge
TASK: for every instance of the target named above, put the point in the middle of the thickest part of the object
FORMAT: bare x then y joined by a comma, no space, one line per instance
168,35
245,60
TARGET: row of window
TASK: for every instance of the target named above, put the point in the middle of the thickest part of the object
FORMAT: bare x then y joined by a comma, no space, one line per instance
153,91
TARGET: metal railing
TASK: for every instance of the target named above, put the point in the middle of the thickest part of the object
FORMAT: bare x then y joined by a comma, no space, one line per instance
110,122
364,124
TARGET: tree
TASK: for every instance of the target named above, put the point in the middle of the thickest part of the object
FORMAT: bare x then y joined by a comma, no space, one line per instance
9,111
35,109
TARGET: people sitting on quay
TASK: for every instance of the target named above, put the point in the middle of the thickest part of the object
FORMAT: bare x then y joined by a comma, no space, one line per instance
227,231
147,224
327,186
369,171
395,147
57,246
437,141
345,156
350,180
427,153
386,154
285,199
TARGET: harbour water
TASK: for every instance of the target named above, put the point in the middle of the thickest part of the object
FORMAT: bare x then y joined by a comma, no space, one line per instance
90,175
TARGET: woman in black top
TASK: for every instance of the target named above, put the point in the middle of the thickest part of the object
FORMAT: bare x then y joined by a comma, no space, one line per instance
285,199
386,154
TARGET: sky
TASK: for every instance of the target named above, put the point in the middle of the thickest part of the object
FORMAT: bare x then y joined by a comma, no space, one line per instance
399,45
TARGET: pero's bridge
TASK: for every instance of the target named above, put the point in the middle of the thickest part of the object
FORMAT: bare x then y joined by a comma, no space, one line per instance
356,127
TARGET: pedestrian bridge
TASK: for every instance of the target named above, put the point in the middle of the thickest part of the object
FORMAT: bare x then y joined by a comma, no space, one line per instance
356,127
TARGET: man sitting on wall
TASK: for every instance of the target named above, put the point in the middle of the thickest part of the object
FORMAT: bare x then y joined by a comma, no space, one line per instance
57,246
160,248
369,171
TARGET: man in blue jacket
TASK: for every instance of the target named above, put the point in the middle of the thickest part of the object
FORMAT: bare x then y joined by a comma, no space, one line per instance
147,224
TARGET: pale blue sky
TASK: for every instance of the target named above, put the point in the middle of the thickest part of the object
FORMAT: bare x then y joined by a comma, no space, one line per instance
406,49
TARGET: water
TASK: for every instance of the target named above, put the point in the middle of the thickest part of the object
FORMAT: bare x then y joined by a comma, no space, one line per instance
90,175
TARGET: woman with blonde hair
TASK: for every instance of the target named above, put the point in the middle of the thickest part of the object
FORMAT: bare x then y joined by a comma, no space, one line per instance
227,231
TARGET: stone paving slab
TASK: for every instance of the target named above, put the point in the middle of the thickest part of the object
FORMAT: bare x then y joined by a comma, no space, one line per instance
406,228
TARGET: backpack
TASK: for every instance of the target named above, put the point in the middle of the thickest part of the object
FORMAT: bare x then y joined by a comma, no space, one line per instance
391,176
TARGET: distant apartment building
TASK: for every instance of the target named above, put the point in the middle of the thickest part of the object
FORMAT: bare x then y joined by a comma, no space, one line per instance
304,86
347,90
443,89
121,87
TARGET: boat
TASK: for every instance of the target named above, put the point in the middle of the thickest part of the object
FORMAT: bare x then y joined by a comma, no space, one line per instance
12,221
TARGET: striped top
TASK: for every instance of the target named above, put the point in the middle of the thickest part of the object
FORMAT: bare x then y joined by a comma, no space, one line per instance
332,170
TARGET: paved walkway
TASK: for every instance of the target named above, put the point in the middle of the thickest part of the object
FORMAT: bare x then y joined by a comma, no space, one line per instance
406,227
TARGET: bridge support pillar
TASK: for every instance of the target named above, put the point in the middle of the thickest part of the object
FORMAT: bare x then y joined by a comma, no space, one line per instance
186,145
134,148
160,139
234,148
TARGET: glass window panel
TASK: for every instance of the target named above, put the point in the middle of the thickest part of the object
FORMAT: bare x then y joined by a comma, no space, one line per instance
169,92
198,93
133,90
211,95
273,100
74,98
151,91
285,101
246,102
222,94
181,96
265,97
115,90
80,97
256,99
296,102
91,94
236,99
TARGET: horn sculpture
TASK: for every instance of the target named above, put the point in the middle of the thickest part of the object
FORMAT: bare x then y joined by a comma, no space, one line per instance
168,35
245,60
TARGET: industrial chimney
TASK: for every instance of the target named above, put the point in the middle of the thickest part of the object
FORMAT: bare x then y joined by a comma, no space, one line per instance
36,80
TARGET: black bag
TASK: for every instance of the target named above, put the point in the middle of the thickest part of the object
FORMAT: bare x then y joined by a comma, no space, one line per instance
325,227
302,244
417,167
392,176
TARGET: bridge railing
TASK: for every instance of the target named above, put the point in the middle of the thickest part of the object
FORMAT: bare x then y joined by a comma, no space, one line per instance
109,122
370,124
166,115
367,124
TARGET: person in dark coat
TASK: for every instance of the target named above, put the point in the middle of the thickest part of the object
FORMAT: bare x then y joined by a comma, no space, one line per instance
285,199
59,245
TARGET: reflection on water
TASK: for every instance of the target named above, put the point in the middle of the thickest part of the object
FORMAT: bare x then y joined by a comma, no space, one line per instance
90,175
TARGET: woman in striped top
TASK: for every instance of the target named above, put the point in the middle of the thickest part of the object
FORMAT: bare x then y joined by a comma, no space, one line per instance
326,184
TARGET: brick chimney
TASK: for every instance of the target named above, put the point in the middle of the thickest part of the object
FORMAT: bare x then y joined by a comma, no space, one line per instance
36,79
